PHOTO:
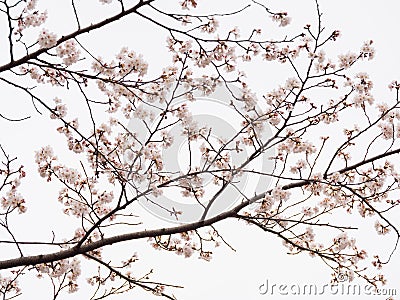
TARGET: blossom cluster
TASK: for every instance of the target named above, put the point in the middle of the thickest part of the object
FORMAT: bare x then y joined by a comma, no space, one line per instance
68,52
389,118
192,185
211,26
127,62
186,4
362,85
65,267
181,245
54,77
73,195
346,60
300,165
9,285
367,51
321,64
184,244
12,179
44,158
295,145
277,195
394,85
47,39
114,76
33,19
342,242
13,200
30,17
60,111
282,18
381,229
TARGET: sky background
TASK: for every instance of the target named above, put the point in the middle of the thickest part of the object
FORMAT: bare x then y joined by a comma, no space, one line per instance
258,257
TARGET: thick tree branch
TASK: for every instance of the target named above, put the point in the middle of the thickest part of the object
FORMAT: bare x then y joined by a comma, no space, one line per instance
45,258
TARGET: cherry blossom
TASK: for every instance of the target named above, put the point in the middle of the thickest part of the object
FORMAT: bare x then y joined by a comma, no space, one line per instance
69,52
318,168
282,18
47,39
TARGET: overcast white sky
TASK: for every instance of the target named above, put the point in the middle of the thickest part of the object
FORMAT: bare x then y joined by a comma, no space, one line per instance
259,257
